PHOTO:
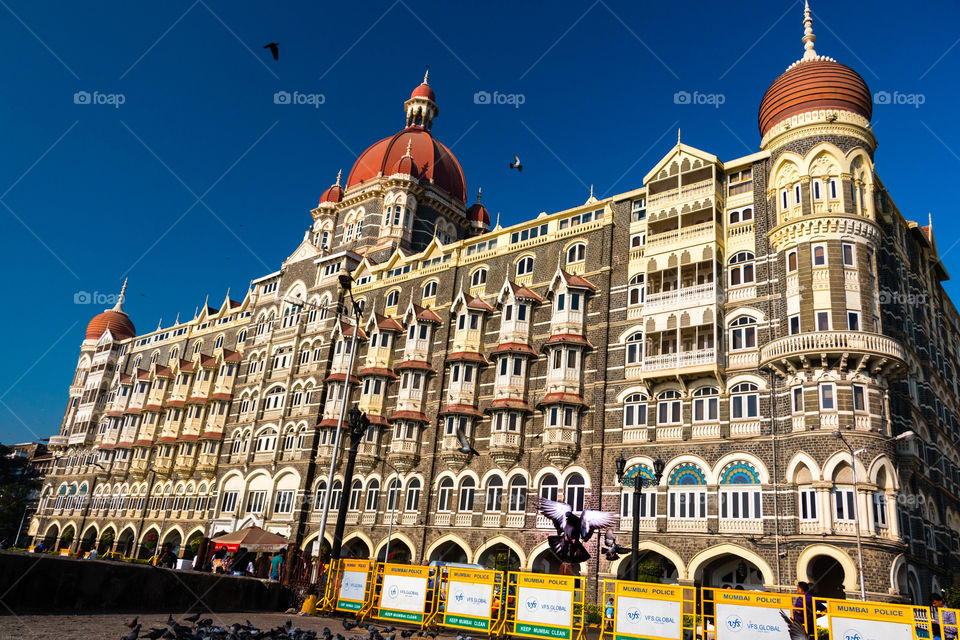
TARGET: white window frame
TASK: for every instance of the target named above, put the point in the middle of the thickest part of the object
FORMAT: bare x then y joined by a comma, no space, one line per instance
825,399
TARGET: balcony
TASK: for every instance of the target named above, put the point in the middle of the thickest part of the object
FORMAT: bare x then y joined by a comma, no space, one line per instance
404,454
679,362
852,350
451,455
683,297
694,234
506,447
646,524
740,525
515,520
561,444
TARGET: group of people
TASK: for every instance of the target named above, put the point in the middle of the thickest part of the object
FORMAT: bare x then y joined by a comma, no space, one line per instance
245,563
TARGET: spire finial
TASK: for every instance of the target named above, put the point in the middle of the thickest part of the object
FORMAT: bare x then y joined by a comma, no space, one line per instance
497,226
409,153
479,193
339,174
426,76
678,135
123,294
808,38
591,191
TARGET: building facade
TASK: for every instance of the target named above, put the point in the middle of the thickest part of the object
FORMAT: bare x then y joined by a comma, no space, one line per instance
726,317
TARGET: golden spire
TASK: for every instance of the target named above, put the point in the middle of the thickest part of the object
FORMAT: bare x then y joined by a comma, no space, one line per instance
808,38
339,173
123,294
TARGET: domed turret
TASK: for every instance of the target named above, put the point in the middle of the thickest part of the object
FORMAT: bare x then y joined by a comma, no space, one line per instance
115,319
478,215
334,193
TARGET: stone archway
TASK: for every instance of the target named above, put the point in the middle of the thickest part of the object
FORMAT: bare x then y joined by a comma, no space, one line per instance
88,540
173,539
50,537
192,544
449,550
547,562
66,538
652,567
125,541
400,552
355,548
826,577
105,545
500,557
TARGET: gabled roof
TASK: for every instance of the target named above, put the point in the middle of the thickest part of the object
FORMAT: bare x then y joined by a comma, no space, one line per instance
678,153
415,312
572,281
384,323
519,292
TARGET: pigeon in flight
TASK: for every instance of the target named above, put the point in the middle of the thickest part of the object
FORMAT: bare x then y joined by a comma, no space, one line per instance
274,49
516,163
573,530
465,443
612,550
797,632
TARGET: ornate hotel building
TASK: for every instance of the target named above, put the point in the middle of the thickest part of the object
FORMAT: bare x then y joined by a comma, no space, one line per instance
728,317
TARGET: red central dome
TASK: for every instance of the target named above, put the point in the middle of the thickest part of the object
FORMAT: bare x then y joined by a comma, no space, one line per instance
811,85
117,321
435,161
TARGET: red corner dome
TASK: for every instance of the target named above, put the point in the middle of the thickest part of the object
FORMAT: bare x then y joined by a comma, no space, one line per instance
434,161
334,192
117,321
477,214
811,85
424,91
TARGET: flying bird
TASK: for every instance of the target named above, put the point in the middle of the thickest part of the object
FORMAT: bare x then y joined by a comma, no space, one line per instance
797,632
516,163
274,49
465,443
572,529
612,550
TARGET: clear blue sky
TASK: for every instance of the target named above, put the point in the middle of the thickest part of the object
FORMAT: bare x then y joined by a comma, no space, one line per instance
96,192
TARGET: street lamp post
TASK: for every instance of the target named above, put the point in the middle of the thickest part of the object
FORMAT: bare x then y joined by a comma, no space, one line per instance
345,285
358,428
637,482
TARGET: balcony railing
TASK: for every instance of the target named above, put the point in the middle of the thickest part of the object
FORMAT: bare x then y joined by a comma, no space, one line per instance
679,360
833,342
686,235
683,297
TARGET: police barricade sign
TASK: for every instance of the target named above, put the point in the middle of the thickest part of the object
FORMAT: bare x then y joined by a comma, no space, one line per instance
541,605
751,615
645,610
402,593
850,620
468,597
354,579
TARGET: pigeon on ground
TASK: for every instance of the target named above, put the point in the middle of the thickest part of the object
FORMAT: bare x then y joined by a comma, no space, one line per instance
406,633
133,623
133,635
193,618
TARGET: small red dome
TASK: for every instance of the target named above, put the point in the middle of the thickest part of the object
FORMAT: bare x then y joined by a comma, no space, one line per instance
407,167
117,321
477,214
810,85
434,161
424,91
333,194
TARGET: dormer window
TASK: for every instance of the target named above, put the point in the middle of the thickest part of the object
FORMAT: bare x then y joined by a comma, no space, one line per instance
572,299
471,319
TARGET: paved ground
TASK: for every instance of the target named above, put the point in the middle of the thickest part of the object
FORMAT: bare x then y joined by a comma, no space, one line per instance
94,627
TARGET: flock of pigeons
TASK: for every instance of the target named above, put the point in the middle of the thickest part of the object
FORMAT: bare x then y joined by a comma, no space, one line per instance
195,628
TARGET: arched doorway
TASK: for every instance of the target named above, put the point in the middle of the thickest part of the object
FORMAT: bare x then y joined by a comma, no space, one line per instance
652,567
173,540
88,540
356,549
148,545
826,577
106,541
730,571
193,543
124,544
449,551
399,552
50,538
500,557
66,538
547,562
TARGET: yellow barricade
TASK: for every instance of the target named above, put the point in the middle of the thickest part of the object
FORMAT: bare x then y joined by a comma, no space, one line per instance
541,605
348,585
855,620
947,619
734,614
469,599
403,592
646,610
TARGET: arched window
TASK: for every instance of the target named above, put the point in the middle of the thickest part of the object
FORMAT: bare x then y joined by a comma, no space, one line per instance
635,411
356,490
741,215
393,298
335,494
174,353
525,266
242,336
740,492
393,494
413,496
706,404
668,407
518,495
741,269
494,493
549,487
743,333
373,496
430,289
744,401
573,492
136,362
154,357
467,488
274,398
219,343
266,441
443,495
637,290
635,348
197,346
478,277
576,253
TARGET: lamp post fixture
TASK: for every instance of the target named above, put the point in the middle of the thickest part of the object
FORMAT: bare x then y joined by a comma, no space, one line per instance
346,289
637,482
358,422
